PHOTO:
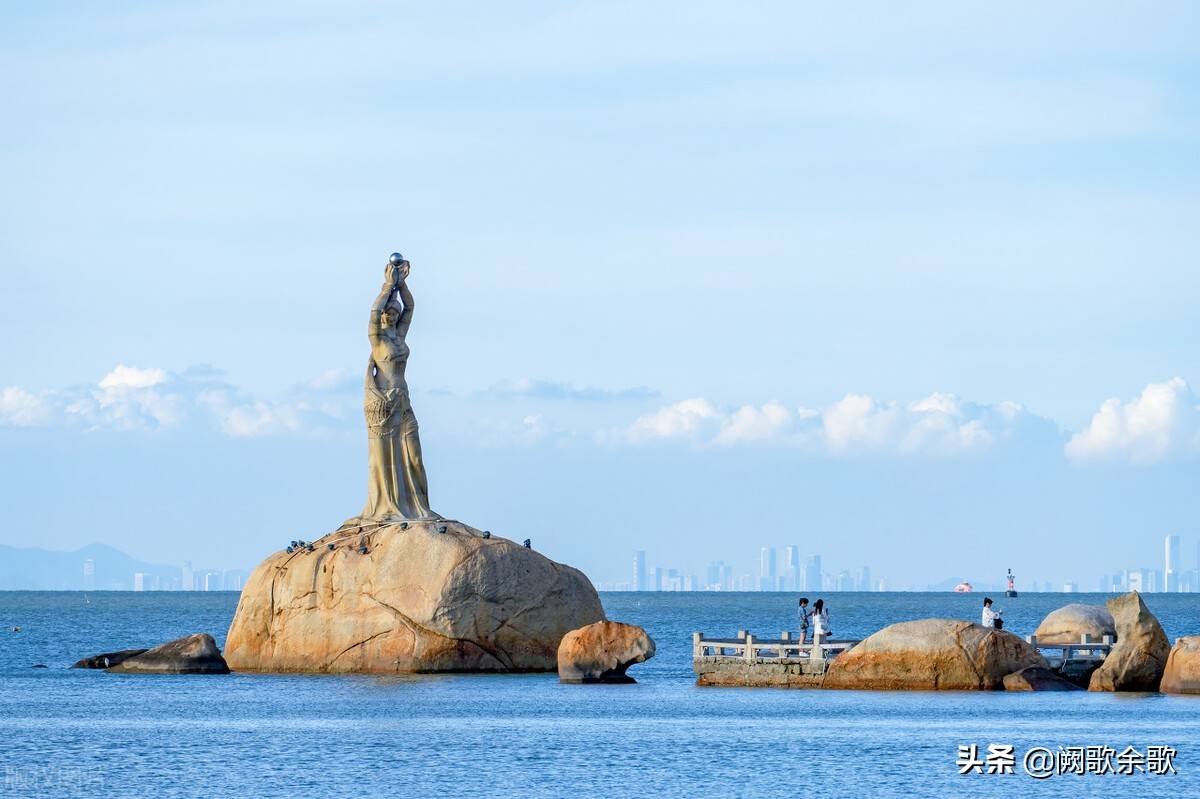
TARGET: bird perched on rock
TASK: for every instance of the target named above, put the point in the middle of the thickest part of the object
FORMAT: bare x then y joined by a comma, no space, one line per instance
526,543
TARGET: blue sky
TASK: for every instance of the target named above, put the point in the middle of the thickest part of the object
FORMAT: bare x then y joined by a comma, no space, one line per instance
691,279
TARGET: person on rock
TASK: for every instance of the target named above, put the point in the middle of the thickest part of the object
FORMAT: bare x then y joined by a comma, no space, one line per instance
991,618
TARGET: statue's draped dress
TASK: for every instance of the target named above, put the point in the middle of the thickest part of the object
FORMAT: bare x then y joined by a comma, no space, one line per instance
396,483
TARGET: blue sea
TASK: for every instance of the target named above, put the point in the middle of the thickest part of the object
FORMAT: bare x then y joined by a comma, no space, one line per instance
69,733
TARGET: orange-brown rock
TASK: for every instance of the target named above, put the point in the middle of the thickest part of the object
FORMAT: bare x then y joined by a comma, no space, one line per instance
417,600
1137,660
932,654
601,652
1182,673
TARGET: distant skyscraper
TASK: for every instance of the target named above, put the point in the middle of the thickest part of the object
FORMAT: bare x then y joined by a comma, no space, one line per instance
139,581
844,581
812,574
791,568
767,569
89,575
656,579
212,581
863,581
639,570
188,579
1171,564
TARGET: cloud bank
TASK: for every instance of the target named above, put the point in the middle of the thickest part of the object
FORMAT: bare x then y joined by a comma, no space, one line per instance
939,425
1159,425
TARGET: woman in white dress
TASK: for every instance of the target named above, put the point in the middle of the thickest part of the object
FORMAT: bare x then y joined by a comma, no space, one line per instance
820,618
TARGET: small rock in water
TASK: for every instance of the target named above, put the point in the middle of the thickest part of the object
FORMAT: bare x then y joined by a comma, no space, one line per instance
106,659
601,652
1038,678
39,666
192,654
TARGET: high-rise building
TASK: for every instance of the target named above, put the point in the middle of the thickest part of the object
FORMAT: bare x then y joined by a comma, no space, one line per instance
767,569
812,574
139,581
791,568
89,575
844,582
187,578
862,582
1171,564
639,570
212,581
656,579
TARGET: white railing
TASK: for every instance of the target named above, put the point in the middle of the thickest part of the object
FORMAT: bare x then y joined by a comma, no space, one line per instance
746,647
1090,649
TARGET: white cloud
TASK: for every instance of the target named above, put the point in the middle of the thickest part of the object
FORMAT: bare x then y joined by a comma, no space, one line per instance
19,408
748,424
1162,423
856,425
681,420
131,378
133,398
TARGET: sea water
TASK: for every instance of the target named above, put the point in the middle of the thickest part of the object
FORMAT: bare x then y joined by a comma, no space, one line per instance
67,733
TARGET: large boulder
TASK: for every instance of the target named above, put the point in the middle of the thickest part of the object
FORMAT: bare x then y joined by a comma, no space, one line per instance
1067,624
107,659
1136,661
932,654
192,654
1182,672
408,598
1037,678
601,652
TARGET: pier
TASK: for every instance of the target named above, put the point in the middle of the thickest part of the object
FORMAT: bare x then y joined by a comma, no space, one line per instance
746,660
1074,659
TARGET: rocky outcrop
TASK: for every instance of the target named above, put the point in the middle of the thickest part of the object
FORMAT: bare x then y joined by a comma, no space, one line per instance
1038,678
1067,624
1182,672
932,654
106,659
418,597
1136,661
193,654
601,652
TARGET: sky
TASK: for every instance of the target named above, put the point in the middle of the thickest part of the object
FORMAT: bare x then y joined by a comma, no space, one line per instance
912,288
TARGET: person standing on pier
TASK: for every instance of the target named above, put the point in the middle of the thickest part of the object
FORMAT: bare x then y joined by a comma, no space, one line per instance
820,618
805,619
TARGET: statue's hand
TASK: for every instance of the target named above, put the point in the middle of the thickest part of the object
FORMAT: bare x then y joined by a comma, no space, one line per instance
405,268
391,275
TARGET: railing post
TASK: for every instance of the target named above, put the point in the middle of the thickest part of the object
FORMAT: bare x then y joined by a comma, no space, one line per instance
1108,640
696,649
749,647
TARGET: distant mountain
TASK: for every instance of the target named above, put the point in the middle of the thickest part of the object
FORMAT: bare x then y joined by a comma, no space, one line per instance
47,570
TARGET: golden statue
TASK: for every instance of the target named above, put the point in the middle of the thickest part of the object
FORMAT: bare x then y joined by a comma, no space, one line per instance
397,489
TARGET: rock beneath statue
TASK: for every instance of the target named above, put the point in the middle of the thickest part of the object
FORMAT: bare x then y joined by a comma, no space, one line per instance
932,654
192,654
106,659
417,600
1182,672
1038,678
1137,660
601,652
1067,624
